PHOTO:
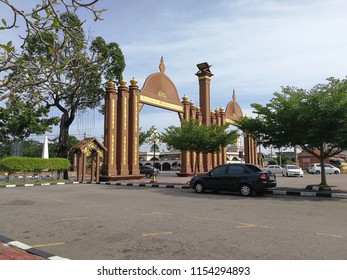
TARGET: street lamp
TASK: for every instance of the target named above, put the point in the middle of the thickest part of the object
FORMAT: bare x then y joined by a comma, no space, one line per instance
154,138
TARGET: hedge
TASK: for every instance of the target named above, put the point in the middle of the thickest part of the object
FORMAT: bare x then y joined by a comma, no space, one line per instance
37,165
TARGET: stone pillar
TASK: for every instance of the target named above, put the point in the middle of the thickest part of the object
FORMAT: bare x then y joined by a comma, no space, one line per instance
97,169
92,166
253,148
214,155
84,167
122,129
79,166
250,148
185,155
109,167
204,76
134,97
223,153
218,122
192,154
200,158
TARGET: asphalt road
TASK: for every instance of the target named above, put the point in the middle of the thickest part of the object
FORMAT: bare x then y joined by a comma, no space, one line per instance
111,222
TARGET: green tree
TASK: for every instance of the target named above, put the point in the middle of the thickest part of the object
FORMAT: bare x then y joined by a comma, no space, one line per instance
315,120
21,118
54,145
44,17
143,135
74,84
199,138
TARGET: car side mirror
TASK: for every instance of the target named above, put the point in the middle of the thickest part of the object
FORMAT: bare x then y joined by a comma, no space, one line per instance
210,173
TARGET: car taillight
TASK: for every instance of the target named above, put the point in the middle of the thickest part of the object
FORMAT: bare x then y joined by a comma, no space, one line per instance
262,176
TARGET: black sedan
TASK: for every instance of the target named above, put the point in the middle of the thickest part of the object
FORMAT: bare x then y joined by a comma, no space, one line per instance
245,178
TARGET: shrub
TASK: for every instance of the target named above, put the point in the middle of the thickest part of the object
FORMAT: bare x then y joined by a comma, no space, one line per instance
37,165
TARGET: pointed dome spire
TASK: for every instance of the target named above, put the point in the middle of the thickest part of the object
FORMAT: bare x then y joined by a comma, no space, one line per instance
162,65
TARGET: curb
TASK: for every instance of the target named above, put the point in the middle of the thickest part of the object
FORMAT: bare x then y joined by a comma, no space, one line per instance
180,186
307,194
149,185
273,192
29,249
36,185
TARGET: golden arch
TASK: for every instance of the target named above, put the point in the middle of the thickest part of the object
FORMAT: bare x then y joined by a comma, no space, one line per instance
121,125
159,91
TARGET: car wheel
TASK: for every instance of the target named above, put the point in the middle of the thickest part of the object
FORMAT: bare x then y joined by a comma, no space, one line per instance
199,188
336,172
246,190
148,175
317,172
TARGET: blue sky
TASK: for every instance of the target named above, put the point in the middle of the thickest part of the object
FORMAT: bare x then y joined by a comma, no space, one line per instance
255,47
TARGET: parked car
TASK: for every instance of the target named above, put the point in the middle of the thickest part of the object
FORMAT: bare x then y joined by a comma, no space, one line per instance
148,171
236,177
274,169
292,170
315,168
176,168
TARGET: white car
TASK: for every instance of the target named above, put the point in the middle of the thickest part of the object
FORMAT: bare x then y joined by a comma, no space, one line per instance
315,168
292,170
274,169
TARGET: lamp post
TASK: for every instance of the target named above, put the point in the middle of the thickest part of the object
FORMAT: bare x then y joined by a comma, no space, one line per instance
154,138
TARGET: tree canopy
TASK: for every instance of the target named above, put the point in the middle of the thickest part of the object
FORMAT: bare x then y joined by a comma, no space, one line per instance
199,138
315,120
21,118
42,19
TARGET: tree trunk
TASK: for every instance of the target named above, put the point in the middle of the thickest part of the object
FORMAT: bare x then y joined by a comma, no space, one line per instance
322,171
63,144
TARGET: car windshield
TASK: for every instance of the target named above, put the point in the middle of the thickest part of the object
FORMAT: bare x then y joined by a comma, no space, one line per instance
293,167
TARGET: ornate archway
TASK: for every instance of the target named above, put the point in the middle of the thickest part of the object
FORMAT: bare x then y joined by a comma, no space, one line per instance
121,126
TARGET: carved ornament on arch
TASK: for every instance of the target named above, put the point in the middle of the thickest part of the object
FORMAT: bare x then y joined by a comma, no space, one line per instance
158,90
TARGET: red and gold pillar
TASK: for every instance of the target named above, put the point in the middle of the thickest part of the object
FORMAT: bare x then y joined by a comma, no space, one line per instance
109,167
185,155
192,154
204,76
134,98
223,152
122,129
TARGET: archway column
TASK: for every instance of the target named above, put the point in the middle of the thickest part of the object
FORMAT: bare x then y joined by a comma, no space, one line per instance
81,167
223,152
109,167
133,159
185,155
214,155
200,164
192,154
204,76
122,129
250,151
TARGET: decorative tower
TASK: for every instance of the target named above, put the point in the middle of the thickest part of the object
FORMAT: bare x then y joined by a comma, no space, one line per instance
204,75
